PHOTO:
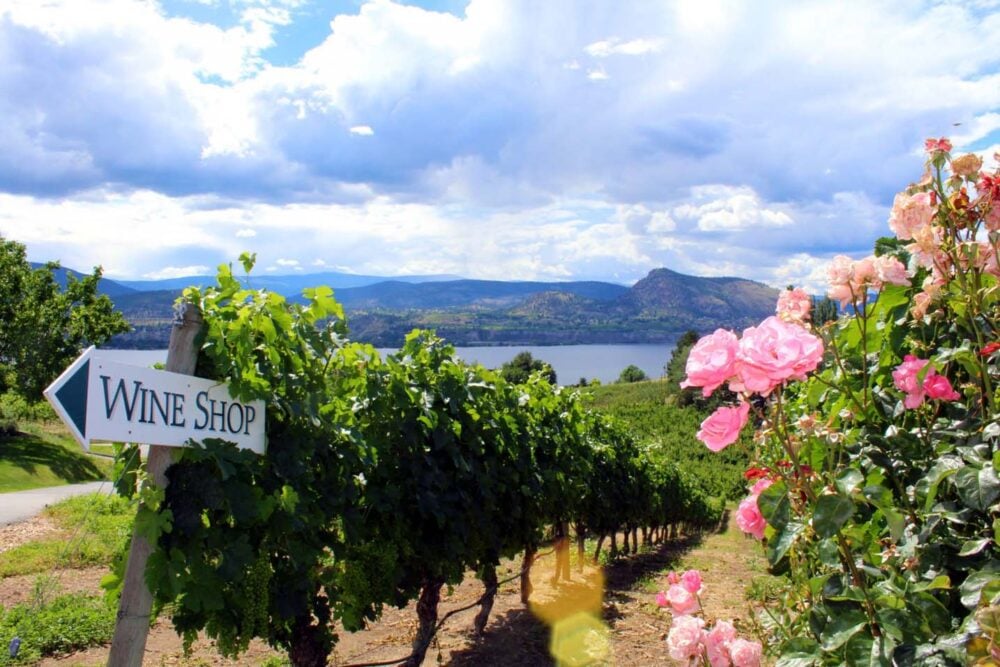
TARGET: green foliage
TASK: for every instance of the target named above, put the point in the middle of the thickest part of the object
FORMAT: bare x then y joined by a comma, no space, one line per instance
674,370
823,310
520,368
632,373
65,624
43,327
97,529
39,458
382,478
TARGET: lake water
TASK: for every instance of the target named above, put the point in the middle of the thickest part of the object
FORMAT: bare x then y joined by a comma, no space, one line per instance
571,362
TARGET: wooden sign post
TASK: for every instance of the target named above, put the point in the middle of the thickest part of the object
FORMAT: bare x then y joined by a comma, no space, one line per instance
104,400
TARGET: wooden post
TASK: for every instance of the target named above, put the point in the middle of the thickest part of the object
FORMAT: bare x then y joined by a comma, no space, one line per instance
132,627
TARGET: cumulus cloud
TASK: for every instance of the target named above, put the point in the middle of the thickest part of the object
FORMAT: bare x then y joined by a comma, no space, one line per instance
514,139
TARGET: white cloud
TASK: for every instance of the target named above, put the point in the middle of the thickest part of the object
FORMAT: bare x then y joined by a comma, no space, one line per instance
614,46
362,130
720,208
245,233
289,263
597,75
177,272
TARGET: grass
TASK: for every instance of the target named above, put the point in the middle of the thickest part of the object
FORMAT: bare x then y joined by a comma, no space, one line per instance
60,625
96,527
43,454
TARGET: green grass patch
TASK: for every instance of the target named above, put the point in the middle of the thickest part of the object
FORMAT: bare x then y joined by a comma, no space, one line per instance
97,527
43,454
61,625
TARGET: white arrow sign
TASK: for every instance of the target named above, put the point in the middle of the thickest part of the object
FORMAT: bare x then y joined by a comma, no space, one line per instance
105,400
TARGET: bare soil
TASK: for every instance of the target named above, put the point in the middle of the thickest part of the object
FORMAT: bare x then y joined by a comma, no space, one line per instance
624,592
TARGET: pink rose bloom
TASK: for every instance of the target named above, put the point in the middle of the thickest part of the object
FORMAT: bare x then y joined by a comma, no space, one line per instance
761,484
840,271
992,218
722,428
717,642
691,580
905,375
661,600
926,246
710,362
933,145
864,273
684,640
841,294
939,388
745,653
772,352
794,305
749,519
673,578
681,600
920,304
910,214
890,270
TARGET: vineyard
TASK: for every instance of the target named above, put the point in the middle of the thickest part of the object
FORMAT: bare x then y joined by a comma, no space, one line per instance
385,480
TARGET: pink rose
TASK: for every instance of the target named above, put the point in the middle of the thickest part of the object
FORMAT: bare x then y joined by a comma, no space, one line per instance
841,294
939,388
926,246
864,274
684,641
717,641
934,386
910,214
840,271
710,362
991,220
661,600
890,270
761,484
673,578
749,519
920,304
794,305
721,428
772,352
691,580
745,653
933,145
681,600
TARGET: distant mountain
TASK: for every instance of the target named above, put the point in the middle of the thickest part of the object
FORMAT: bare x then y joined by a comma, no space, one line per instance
482,294
657,309
288,285
110,287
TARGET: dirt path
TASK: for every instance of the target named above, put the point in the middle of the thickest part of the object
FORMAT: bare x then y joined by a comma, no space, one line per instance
516,635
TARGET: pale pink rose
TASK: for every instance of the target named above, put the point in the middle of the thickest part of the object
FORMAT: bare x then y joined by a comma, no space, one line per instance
890,270
794,305
841,294
684,641
920,304
966,165
933,145
864,274
710,362
673,578
661,600
722,428
691,580
717,642
761,484
939,388
910,214
991,219
745,653
681,600
772,352
840,271
926,246
933,283
749,519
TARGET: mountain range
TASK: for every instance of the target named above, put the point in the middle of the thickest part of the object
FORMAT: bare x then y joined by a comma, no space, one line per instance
657,309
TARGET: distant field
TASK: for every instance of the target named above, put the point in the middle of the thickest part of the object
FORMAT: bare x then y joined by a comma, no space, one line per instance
648,408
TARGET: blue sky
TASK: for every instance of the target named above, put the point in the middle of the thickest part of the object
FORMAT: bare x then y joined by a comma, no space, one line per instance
510,139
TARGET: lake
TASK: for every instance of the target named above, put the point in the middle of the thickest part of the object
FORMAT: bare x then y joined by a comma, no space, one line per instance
571,362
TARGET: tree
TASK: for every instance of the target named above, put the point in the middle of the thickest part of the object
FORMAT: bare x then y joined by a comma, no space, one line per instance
517,370
632,373
674,369
823,311
43,326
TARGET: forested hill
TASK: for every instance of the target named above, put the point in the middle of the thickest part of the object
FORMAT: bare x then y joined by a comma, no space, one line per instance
657,309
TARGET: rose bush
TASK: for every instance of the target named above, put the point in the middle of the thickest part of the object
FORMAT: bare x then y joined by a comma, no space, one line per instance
877,488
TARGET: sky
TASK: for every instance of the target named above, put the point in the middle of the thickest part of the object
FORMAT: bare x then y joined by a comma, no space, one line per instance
495,139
